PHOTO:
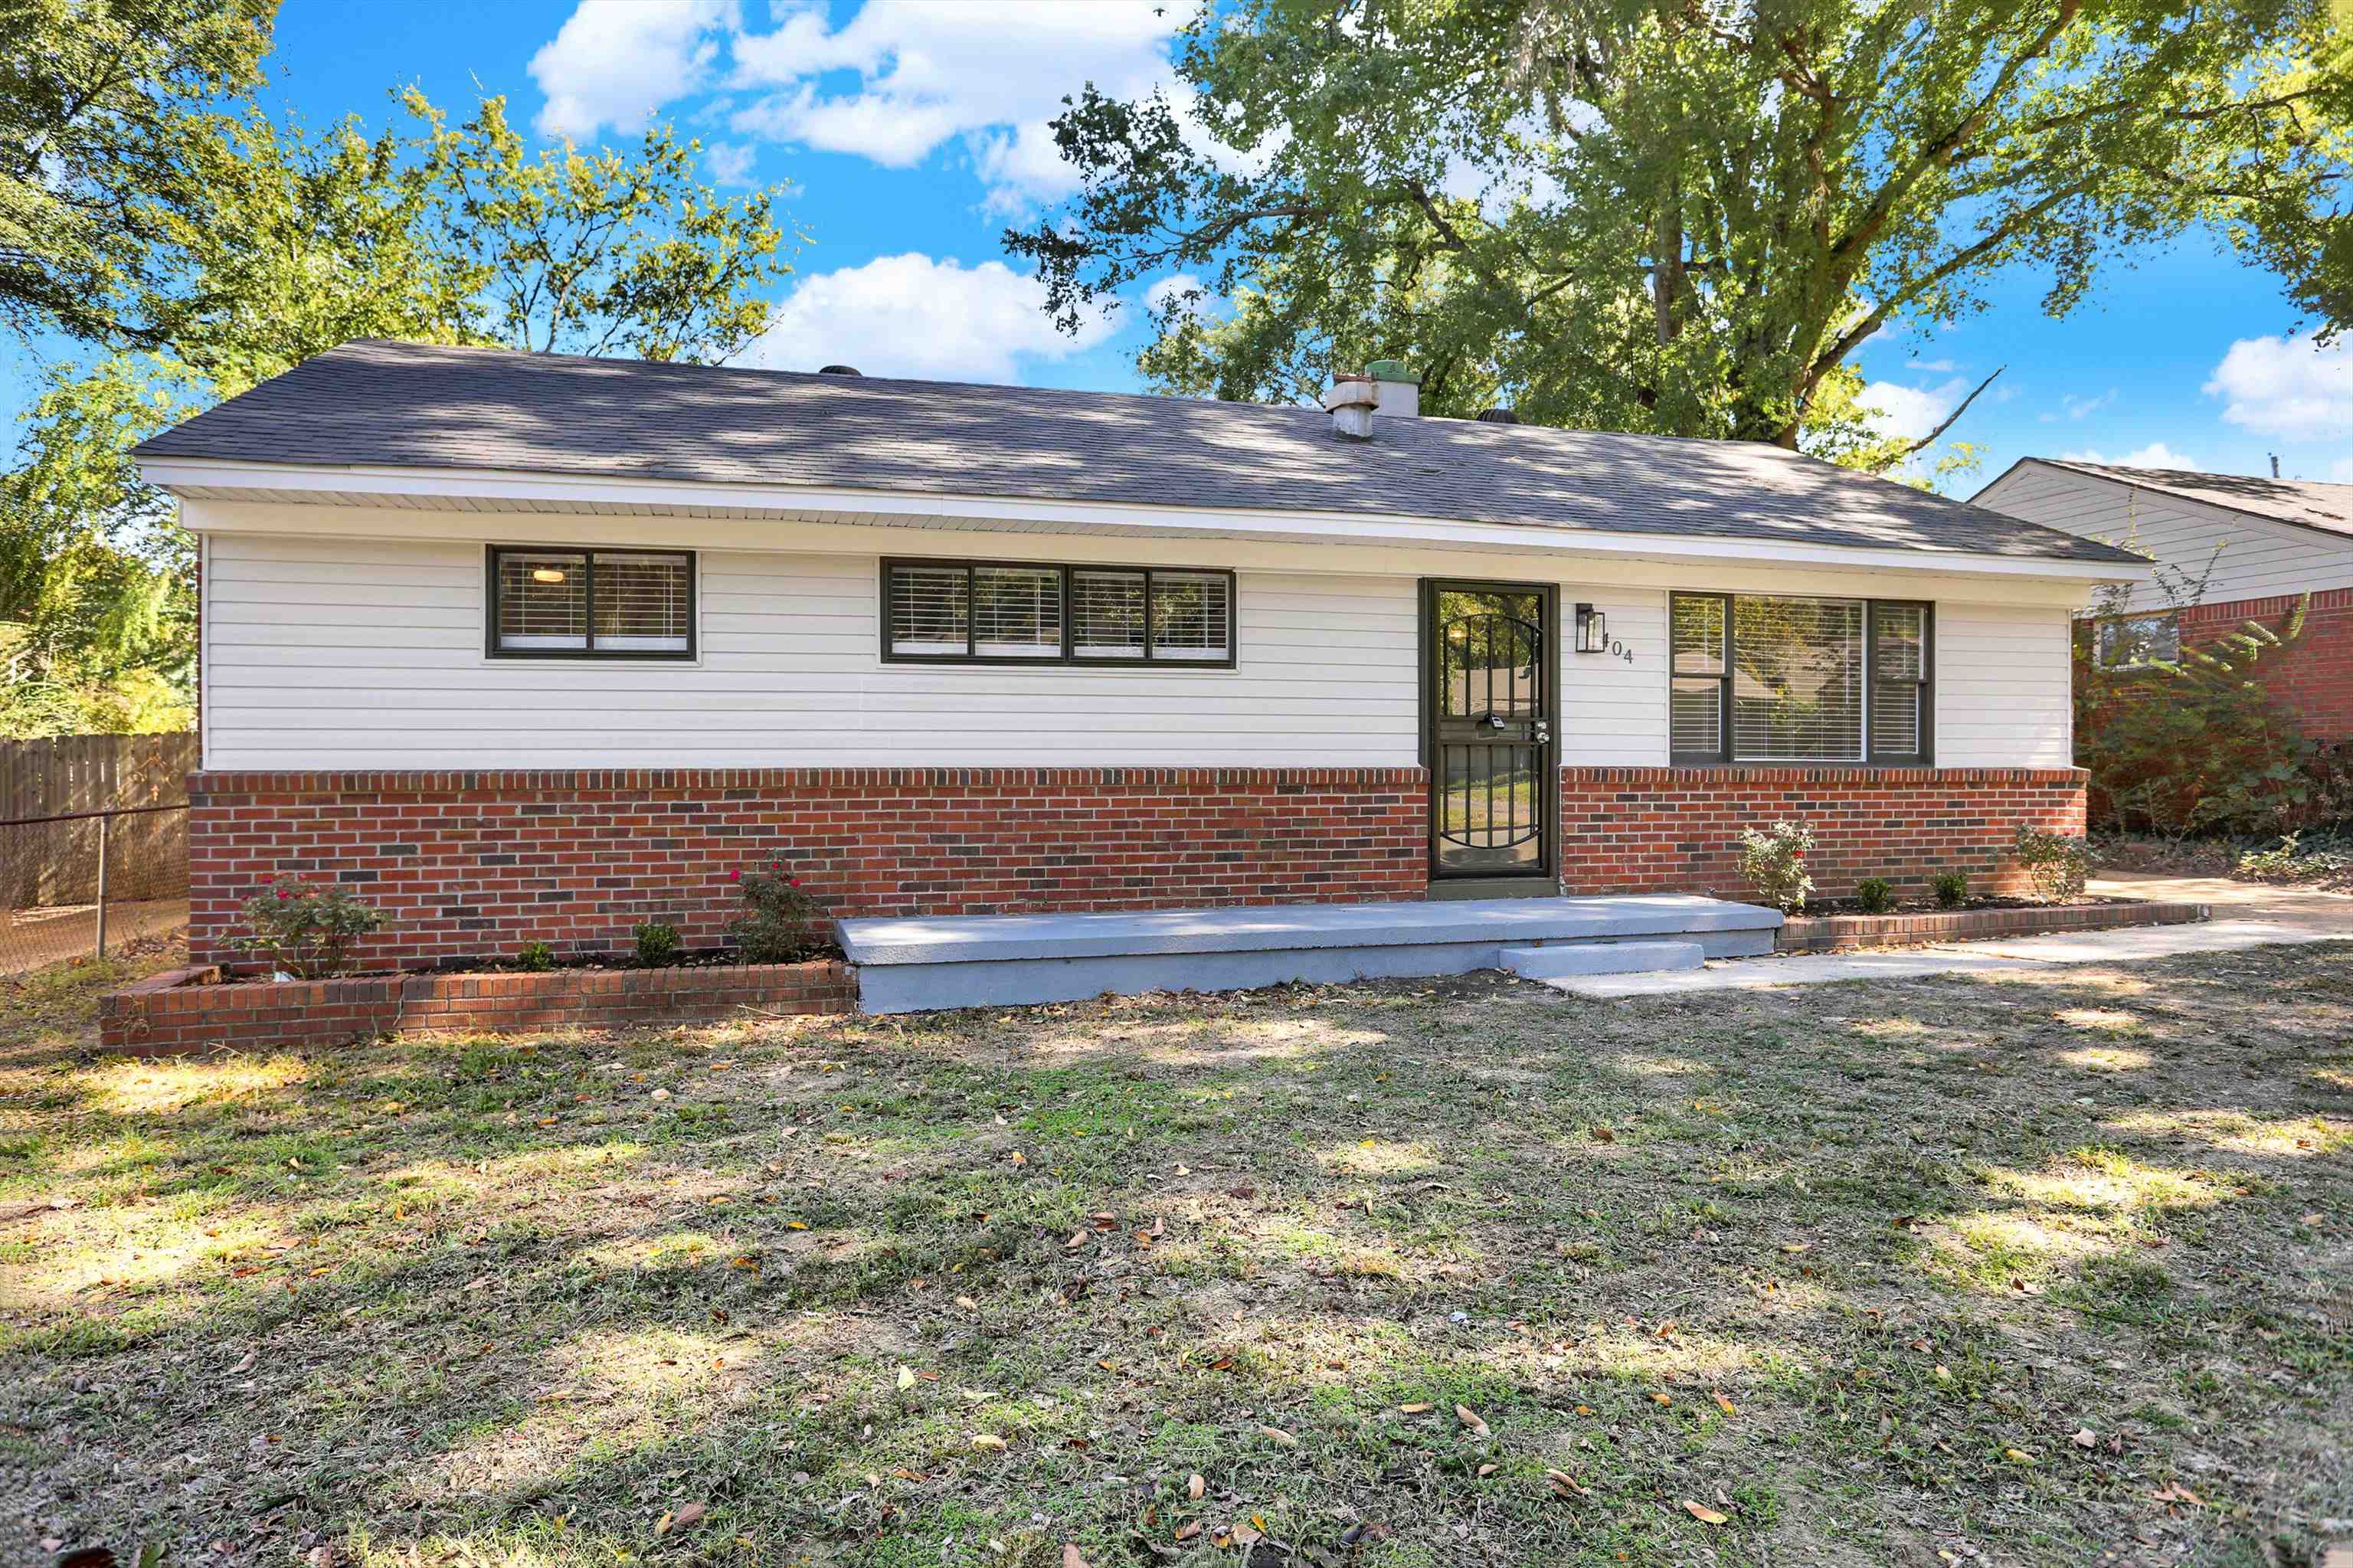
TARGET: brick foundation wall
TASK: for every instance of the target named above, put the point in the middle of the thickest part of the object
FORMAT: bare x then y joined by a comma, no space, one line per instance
469,864
1674,829
175,1012
2313,679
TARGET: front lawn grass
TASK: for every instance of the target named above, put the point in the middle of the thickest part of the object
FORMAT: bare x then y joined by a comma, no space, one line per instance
2049,1270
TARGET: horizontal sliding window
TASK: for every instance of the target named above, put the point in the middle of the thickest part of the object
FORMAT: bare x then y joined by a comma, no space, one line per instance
1000,612
1766,678
589,604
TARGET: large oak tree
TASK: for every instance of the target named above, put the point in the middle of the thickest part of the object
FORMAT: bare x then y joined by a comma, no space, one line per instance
1682,217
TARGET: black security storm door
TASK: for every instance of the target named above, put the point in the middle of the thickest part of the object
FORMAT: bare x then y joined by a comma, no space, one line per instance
1487,706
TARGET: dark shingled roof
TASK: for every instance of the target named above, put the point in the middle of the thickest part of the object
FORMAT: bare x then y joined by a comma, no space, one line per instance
2308,501
403,404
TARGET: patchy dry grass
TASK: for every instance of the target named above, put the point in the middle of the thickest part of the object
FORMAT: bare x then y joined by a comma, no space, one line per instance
2047,1271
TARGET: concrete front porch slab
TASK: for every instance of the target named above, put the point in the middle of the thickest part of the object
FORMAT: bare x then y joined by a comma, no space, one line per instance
915,965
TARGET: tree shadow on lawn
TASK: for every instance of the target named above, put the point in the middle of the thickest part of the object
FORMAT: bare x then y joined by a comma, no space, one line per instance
497,1301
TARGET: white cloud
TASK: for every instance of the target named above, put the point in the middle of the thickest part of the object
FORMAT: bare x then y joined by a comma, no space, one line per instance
1907,413
2156,454
617,62
2083,407
730,162
2286,387
910,315
929,71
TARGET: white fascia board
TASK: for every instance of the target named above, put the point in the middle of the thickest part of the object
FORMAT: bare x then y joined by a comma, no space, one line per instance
265,482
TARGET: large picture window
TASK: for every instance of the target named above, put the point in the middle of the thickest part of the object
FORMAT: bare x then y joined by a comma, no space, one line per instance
997,612
1759,678
591,604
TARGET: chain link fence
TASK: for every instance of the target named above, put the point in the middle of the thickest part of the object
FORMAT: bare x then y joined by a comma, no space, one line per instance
80,884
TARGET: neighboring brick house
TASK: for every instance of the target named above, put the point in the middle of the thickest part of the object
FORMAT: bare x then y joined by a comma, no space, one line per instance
2256,545
535,647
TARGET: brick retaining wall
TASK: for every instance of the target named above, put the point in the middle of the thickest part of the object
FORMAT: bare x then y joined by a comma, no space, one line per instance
1849,933
178,1011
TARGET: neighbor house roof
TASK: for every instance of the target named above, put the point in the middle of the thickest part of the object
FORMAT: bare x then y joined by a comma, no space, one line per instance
417,406
2307,501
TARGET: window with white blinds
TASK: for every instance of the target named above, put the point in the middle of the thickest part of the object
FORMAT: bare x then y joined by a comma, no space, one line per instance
590,604
1000,612
1759,678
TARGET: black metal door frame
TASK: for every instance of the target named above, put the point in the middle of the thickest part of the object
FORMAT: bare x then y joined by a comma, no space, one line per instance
1547,750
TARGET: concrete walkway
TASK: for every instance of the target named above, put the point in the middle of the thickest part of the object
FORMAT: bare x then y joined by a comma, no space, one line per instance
2247,915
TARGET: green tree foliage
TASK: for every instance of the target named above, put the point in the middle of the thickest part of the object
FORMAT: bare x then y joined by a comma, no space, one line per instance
2196,744
304,240
100,103
1678,218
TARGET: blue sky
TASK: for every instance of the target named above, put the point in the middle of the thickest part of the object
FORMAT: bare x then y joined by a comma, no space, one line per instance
912,130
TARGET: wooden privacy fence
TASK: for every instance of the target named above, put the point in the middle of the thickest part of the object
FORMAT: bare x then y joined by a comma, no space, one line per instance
56,862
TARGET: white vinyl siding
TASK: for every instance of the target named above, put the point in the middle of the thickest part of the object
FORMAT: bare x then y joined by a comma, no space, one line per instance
2002,688
343,652
369,653
2260,557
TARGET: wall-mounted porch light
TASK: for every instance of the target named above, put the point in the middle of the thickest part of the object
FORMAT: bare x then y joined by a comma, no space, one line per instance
1592,630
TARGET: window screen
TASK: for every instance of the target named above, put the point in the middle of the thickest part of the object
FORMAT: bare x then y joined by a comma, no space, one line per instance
1001,611
643,602
1758,678
1016,611
1107,614
1899,680
1191,615
1796,680
1695,689
577,604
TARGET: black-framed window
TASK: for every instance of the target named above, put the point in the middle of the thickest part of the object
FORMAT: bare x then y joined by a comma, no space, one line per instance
1018,612
1789,678
565,603
2138,641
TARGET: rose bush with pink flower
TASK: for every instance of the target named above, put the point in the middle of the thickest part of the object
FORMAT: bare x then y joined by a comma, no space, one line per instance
308,931
779,922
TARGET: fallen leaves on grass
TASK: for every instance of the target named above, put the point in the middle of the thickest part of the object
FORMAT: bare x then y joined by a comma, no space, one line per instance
1280,1438
1470,1418
1705,1514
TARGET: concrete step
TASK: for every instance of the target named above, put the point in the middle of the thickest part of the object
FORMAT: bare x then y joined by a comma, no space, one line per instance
1565,959
916,964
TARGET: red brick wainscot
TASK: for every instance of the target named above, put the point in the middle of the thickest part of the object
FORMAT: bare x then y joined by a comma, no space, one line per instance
189,1009
469,864
1678,829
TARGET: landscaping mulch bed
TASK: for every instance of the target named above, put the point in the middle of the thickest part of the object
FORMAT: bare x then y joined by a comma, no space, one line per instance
2047,1269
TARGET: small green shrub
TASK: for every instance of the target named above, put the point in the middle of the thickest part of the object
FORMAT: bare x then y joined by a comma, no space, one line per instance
307,931
2057,864
1952,889
777,914
1774,862
657,944
536,958
1876,895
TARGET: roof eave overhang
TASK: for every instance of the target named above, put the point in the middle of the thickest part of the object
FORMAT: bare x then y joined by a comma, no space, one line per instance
489,490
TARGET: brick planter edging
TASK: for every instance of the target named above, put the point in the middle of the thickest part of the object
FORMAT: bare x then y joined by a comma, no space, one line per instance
186,1010
1849,933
